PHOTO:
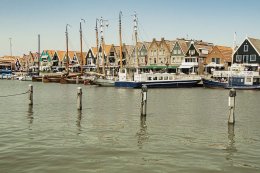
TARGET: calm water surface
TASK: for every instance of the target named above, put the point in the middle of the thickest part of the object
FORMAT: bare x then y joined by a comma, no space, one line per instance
185,130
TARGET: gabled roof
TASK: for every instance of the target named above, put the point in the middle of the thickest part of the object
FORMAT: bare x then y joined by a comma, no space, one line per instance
170,44
50,52
255,43
184,44
60,54
225,51
94,51
203,45
129,49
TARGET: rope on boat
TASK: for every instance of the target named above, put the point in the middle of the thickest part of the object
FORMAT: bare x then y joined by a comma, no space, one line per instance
11,95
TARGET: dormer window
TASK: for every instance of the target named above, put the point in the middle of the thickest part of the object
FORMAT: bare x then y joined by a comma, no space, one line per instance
245,48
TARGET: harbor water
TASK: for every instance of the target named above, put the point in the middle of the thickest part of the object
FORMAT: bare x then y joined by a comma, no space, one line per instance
185,130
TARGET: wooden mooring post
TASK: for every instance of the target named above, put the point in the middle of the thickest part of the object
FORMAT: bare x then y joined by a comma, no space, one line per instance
77,80
79,98
30,94
231,105
144,100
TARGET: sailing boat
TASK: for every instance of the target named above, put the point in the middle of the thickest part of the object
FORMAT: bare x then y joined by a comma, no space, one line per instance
104,79
73,79
153,80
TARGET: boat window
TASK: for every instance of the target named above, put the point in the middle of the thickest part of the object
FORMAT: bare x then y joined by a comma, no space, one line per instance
155,78
165,77
160,78
149,78
248,80
170,78
242,80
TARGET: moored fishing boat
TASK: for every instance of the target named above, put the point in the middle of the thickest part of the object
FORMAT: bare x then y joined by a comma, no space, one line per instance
237,77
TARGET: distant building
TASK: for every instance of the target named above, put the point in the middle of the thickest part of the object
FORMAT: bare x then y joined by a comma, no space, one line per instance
248,53
195,57
179,49
219,58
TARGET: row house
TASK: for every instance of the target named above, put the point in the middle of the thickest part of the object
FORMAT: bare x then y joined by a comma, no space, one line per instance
180,47
125,54
194,61
133,62
159,53
248,53
110,56
51,59
220,58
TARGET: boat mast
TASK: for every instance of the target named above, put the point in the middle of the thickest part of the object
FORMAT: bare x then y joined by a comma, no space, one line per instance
39,53
97,58
67,49
120,39
136,47
81,54
103,46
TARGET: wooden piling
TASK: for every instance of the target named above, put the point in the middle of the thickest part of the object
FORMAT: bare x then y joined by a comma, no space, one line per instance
231,105
79,98
30,94
144,100
77,80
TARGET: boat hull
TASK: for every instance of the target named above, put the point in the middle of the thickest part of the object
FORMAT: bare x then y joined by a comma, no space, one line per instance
158,84
104,82
218,84
214,84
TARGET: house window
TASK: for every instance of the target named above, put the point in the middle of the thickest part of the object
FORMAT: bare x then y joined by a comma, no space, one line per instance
245,48
245,58
175,52
192,52
252,57
216,60
238,58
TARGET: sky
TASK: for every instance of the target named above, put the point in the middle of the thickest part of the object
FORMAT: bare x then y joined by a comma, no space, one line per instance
213,21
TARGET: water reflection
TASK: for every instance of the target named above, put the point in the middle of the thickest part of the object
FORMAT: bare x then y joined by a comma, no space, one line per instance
78,122
142,135
30,115
231,148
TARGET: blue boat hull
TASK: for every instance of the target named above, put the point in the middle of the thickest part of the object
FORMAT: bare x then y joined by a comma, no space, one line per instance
218,84
214,84
158,84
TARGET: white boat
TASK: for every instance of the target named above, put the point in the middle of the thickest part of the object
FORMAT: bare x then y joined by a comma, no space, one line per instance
157,80
105,82
237,77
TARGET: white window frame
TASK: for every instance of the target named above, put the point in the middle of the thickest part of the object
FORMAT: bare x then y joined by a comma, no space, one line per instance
238,58
253,57
245,48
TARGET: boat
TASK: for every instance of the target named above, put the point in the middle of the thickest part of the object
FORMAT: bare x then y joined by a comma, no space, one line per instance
105,82
237,77
24,78
157,80
134,78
